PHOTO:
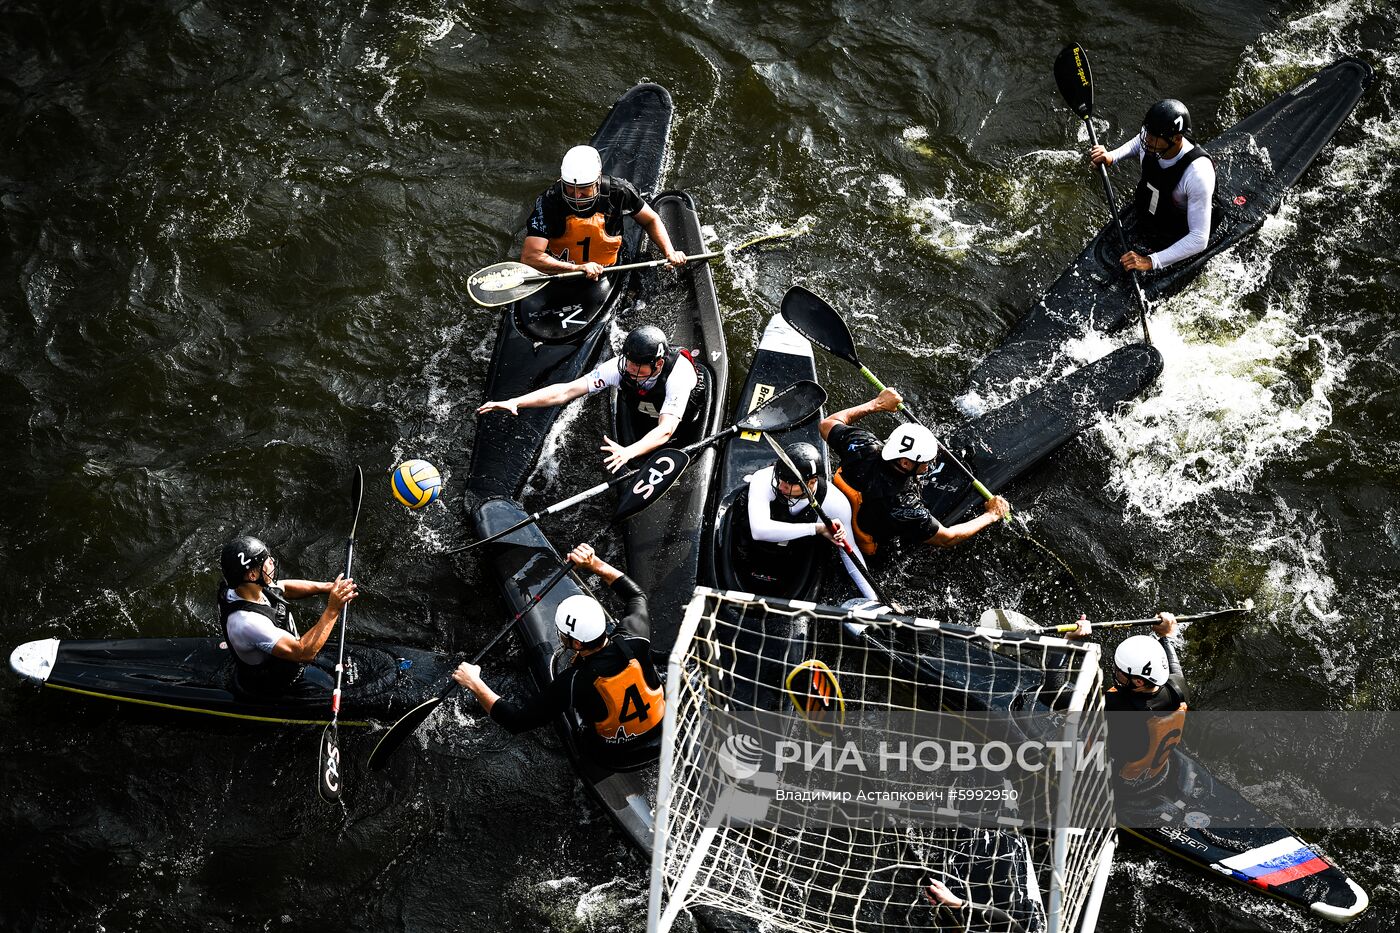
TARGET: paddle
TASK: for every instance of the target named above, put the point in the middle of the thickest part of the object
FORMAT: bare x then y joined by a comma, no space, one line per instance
634,499
812,317
1076,82
819,322
784,411
328,782
505,282
826,519
1012,621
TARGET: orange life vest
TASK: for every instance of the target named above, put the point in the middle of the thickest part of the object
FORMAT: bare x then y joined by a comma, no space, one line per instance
585,239
868,545
1164,732
634,708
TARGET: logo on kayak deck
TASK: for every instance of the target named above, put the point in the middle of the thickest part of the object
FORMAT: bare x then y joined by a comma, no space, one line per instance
761,394
1240,200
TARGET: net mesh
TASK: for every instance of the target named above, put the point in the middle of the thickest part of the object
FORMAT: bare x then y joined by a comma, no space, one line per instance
738,653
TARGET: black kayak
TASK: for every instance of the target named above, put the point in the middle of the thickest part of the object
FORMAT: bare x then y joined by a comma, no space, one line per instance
666,544
521,562
783,358
1003,444
555,335
195,675
1256,161
1177,818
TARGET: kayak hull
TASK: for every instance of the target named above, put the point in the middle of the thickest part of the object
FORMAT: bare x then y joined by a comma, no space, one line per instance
1001,445
1256,162
632,139
195,675
783,358
667,544
521,562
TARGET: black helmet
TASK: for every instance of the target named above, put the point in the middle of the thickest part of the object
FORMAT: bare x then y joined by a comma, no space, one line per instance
645,345
1166,118
805,457
239,556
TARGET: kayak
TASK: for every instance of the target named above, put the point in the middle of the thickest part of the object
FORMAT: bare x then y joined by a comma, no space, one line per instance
194,675
1256,161
783,358
556,335
666,544
1003,444
522,561
1270,859
766,652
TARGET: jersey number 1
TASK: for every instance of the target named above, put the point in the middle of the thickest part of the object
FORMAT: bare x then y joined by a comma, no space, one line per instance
588,240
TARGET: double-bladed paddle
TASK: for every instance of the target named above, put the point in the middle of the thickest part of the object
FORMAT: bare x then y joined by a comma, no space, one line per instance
504,282
782,412
328,782
1076,82
812,317
635,498
1010,620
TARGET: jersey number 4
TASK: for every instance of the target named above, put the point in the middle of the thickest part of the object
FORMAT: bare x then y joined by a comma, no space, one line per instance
633,707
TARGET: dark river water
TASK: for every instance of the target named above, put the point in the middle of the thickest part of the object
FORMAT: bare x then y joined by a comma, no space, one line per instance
236,243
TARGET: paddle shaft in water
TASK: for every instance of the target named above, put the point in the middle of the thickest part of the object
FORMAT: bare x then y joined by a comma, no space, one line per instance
328,783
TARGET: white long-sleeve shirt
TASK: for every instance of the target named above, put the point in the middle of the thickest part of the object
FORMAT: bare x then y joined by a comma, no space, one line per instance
764,528
1194,193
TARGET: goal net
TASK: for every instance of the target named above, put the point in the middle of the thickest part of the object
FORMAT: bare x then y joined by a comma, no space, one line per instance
823,766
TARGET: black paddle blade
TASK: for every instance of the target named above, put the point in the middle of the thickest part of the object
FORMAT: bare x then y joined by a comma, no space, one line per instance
406,726
787,409
658,473
328,783
813,318
357,496
1075,79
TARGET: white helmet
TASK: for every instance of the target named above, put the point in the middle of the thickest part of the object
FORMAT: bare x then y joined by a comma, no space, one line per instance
911,441
580,617
582,166
1142,656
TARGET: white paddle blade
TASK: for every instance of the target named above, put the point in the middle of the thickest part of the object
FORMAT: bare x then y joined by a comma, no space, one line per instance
1007,620
503,283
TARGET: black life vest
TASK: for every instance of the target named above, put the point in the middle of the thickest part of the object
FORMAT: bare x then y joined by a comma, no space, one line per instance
1160,221
767,558
273,675
645,403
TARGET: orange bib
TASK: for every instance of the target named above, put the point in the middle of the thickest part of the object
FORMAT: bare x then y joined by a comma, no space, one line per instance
634,708
868,545
1163,734
585,240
